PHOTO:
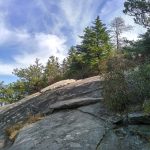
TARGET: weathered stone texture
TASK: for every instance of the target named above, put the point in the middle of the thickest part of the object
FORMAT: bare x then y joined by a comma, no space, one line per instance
76,119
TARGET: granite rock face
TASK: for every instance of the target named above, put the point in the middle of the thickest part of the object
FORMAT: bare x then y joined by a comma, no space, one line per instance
63,130
75,119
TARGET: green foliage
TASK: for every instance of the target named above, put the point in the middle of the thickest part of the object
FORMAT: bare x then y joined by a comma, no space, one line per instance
144,43
52,71
139,50
84,59
75,65
36,76
31,77
31,80
19,90
139,81
12,92
116,91
7,94
126,83
140,10
65,68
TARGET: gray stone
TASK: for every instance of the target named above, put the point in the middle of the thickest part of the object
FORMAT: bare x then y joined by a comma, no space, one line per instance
139,118
73,103
63,131
2,143
141,130
39,102
122,139
76,119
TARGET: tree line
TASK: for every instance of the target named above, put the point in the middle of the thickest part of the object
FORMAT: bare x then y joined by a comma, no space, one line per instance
99,44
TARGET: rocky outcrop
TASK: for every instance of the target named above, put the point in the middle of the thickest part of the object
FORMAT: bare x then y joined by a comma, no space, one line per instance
75,119
63,130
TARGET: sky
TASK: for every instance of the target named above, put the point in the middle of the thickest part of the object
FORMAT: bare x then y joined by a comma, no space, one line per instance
31,29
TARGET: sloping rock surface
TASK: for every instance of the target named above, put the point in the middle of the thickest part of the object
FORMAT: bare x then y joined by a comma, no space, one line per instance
64,130
76,119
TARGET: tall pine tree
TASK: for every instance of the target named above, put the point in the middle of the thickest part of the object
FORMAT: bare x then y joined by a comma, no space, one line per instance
94,48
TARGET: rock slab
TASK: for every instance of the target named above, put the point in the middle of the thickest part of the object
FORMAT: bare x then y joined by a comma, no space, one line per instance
77,119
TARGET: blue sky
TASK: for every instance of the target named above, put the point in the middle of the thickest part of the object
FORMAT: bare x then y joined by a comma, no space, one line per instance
31,29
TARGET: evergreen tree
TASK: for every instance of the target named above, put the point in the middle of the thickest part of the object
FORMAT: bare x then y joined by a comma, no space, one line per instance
102,47
52,71
94,48
31,77
76,64
2,91
141,47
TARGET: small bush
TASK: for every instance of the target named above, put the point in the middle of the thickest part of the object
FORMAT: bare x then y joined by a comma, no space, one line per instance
139,81
115,85
125,84
115,92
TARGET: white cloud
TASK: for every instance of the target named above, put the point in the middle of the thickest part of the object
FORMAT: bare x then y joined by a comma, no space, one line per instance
44,46
72,10
111,9
136,30
114,9
75,15
7,69
7,35
79,14
32,46
40,45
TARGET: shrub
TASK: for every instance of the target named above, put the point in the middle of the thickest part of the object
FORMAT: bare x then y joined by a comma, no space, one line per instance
126,84
140,81
116,92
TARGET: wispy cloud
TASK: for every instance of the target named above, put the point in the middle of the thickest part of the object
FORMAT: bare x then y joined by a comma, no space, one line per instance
29,45
79,14
41,28
7,35
40,45
7,69
43,46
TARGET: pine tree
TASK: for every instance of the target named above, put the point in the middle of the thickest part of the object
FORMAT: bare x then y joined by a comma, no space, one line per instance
102,47
75,64
31,77
94,48
52,70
